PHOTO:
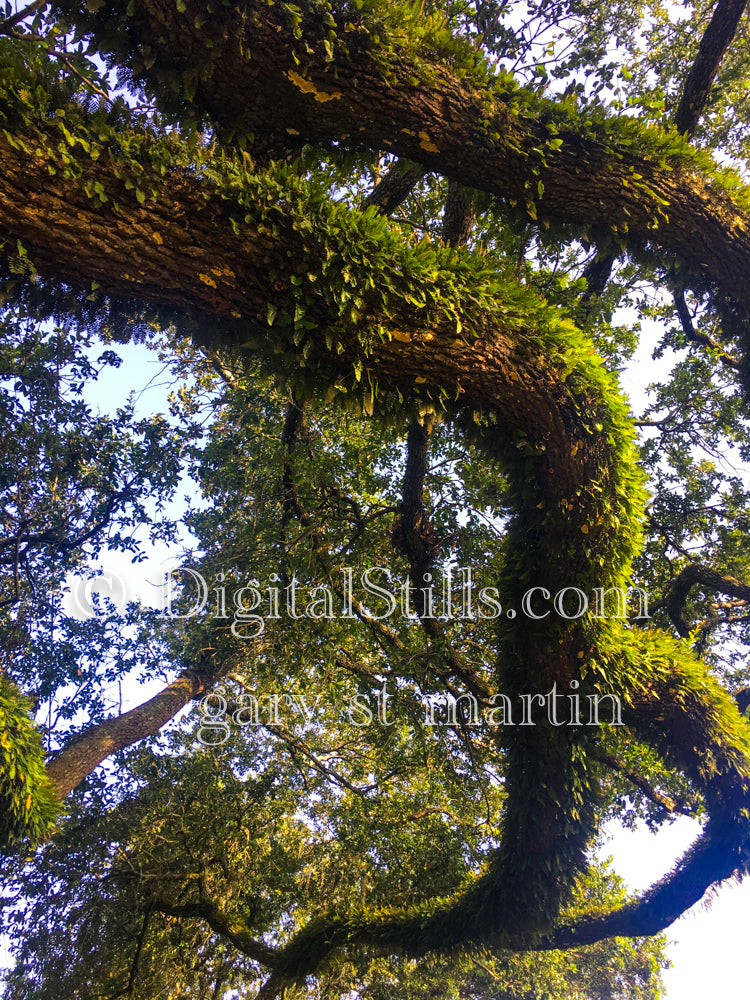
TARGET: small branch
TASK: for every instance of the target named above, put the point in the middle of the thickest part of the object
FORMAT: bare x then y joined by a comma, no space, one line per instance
486,968
691,334
432,811
138,949
234,930
92,86
283,733
665,801
9,23
661,424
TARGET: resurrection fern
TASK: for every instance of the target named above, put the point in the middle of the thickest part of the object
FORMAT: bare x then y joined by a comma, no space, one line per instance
28,805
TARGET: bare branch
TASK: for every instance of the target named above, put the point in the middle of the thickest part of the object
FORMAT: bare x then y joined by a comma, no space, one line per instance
691,334
683,583
716,39
9,23
394,187
233,929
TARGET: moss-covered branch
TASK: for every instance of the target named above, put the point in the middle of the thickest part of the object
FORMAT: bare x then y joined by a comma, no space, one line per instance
390,78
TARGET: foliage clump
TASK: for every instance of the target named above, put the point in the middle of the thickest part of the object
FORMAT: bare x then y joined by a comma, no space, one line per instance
28,805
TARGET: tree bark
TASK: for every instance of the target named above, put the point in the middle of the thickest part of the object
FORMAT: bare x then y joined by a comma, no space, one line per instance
182,253
197,252
78,759
714,43
244,66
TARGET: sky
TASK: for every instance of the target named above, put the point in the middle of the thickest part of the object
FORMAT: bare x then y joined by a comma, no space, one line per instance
708,951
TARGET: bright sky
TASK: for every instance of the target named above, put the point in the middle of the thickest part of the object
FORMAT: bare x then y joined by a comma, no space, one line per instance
708,954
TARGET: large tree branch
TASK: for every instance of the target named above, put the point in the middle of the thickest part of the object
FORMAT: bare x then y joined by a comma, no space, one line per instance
691,726
714,44
695,729
200,253
242,65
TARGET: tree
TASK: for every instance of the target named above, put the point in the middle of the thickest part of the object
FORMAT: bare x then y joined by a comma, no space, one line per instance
456,318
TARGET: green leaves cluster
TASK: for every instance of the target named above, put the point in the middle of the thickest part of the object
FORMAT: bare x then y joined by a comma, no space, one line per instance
28,806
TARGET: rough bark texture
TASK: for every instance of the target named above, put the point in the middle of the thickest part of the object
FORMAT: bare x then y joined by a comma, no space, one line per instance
77,760
182,253
396,185
186,251
247,71
714,43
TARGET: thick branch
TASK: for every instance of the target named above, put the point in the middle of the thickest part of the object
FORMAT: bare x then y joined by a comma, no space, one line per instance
597,274
554,418
394,187
697,730
78,759
458,216
186,252
414,535
714,43
342,93
688,578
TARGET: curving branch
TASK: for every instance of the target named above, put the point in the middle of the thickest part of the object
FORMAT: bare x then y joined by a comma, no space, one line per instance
691,334
556,425
693,575
690,725
333,89
233,929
